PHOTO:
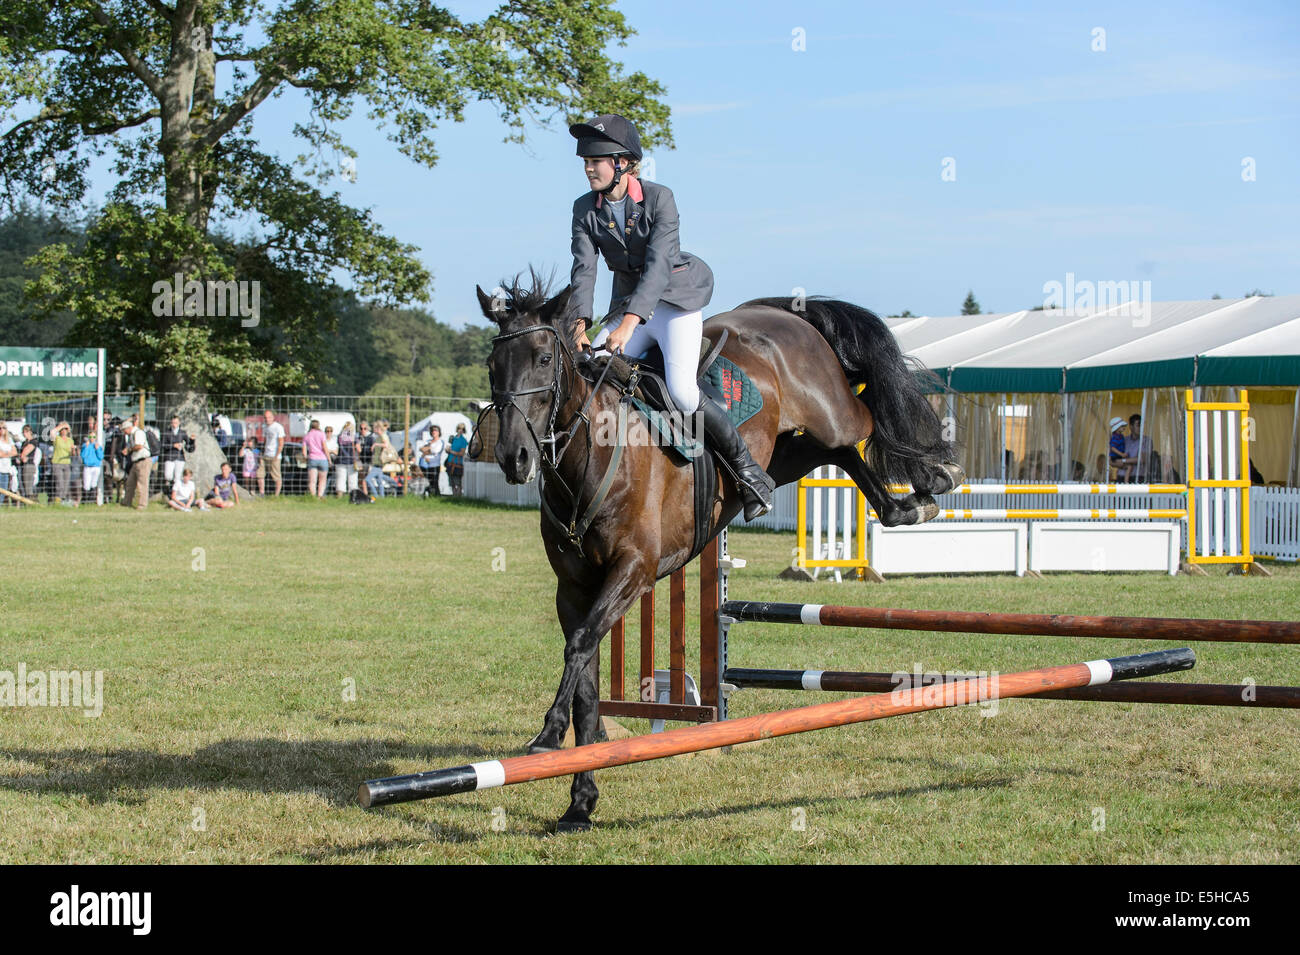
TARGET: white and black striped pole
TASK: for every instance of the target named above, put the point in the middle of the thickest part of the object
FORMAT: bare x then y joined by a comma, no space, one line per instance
691,739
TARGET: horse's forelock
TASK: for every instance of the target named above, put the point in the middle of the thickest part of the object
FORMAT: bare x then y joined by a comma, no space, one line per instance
524,300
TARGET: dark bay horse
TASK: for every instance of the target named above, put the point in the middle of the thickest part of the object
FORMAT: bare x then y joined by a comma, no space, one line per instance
805,362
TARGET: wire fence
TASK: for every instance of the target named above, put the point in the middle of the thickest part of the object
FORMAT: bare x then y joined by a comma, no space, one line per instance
413,434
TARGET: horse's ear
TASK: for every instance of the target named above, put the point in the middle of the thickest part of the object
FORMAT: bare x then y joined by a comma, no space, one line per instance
556,306
494,307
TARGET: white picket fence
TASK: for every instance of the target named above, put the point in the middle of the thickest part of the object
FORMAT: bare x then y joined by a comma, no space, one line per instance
1275,522
1274,511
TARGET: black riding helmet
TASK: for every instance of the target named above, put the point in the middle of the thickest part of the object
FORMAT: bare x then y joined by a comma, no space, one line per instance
607,135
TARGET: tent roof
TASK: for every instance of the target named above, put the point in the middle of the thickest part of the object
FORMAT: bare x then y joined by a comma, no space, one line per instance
1250,341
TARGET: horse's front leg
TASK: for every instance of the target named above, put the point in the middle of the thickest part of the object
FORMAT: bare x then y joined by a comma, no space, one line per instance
585,622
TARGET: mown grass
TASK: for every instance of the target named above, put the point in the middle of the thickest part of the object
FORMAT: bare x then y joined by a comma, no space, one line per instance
226,735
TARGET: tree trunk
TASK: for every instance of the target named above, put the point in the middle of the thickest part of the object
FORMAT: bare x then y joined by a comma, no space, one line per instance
191,405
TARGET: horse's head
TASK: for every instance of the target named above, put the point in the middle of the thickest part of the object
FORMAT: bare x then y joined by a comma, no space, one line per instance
530,371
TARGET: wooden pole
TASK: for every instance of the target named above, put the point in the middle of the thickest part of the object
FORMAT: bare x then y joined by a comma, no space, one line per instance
1192,694
1055,625
677,637
691,739
616,669
17,497
406,449
646,690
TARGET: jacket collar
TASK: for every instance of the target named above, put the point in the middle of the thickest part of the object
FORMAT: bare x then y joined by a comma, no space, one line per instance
634,190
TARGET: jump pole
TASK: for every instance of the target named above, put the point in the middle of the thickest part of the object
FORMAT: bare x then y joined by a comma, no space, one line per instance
1038,624
692,739
1192,694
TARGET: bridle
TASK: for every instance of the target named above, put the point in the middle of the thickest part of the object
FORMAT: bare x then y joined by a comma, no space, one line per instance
503,401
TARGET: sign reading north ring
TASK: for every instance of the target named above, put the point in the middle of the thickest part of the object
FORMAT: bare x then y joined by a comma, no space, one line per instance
49,369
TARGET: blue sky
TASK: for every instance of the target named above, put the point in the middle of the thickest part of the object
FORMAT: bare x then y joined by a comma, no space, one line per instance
821,169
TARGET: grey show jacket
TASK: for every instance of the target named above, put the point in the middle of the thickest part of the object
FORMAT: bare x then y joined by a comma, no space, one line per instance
648,265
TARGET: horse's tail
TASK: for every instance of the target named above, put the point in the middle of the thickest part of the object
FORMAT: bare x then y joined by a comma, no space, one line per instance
908,432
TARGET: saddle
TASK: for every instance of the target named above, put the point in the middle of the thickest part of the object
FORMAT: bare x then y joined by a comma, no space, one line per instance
642,385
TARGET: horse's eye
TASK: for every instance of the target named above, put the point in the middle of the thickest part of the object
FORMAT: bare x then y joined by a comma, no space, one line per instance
546,360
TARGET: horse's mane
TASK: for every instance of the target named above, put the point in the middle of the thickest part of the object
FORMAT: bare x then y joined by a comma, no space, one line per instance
527,298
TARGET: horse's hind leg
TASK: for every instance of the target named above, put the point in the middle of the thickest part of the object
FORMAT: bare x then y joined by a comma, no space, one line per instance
892,511
936,479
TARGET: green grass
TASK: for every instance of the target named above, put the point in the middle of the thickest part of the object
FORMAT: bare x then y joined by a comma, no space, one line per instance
224,695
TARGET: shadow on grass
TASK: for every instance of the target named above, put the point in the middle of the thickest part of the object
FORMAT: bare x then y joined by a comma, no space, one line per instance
540,827
330,769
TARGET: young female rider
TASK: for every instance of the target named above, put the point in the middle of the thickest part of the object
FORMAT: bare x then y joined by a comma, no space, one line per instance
659,290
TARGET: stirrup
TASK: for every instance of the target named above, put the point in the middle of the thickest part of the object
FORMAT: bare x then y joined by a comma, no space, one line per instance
757,503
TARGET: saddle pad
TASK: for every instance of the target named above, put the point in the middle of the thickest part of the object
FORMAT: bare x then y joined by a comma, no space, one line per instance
689,448
743,398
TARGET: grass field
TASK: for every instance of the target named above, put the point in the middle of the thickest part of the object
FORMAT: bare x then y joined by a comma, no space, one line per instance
230,644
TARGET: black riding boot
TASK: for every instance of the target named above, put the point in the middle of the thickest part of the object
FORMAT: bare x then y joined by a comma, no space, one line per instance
755,486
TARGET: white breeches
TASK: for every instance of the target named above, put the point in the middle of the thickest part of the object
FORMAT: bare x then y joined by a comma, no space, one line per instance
677,334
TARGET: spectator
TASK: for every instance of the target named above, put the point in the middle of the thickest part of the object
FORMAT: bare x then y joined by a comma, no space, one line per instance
383,459
138,466
365,446
218,432
29,460
1119,459
225,489
456,460
318,460
62,462
331,451
431,454
249,457
8,471
1137,448
272,445
92,462
184,495
173,452
345,475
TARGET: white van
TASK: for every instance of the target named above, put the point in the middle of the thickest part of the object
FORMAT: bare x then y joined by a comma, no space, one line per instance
300,422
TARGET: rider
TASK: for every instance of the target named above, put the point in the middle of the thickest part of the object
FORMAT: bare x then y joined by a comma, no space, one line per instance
659,290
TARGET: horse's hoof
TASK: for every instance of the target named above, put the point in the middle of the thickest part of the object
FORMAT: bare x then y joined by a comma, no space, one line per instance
534,748
956,474
573,825
927,512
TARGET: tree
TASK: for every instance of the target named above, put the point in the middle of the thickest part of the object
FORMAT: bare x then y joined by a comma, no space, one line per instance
22,235
970,306
171,91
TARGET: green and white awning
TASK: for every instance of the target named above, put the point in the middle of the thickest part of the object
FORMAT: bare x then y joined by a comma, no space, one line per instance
1244,342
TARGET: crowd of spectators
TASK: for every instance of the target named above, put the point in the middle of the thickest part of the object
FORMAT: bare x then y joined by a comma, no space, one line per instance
126,461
